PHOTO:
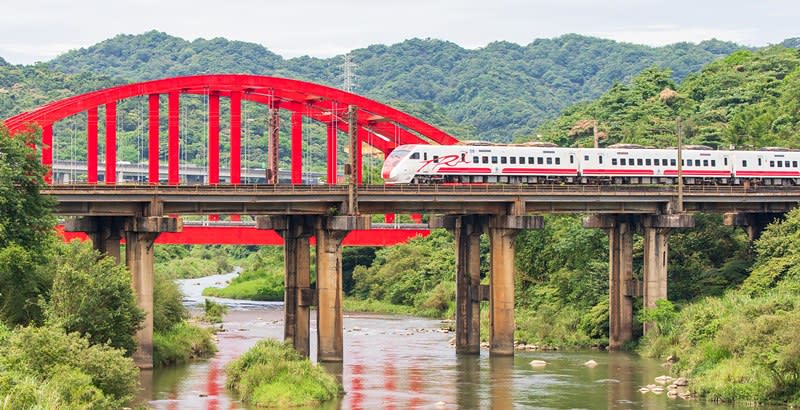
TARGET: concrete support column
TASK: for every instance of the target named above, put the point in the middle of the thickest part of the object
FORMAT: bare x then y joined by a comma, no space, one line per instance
656,230
330,231
140,235
298,295
105,232
139,251
753,222
503,229
622,287
467,232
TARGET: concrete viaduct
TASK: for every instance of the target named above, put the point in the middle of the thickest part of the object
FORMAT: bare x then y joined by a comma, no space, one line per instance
297,213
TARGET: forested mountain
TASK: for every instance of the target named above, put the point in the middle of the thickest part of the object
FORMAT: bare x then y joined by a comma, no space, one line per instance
748,99
501,90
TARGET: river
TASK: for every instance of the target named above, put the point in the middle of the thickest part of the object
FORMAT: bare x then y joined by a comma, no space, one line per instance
400,362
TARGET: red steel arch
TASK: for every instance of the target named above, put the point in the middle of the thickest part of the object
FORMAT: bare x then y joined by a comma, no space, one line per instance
379,125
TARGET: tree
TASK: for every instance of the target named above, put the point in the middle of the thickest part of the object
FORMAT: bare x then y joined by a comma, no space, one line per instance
26,230
92,295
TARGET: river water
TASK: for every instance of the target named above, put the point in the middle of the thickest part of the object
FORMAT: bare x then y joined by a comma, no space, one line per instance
400,362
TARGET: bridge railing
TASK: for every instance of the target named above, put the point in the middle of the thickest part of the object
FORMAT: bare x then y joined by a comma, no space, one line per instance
434,188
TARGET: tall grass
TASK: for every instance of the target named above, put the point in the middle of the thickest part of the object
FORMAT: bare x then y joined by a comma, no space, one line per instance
274,375
181,343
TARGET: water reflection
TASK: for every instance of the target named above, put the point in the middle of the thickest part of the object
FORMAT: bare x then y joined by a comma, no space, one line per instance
502,382
405,362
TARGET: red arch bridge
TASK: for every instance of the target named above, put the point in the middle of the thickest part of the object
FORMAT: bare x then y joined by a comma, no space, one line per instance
95,160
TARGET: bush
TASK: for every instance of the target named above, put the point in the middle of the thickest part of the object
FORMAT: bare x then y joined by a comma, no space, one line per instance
92,295
168,309
182,343
65,366
214,311
272,374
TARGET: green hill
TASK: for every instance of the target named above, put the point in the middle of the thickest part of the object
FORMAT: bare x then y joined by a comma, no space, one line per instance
748,99
501,90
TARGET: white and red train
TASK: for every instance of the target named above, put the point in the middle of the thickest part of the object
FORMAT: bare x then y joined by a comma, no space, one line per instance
614,165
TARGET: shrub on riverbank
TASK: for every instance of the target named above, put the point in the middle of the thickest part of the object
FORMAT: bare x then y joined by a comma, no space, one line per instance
743,346
213,312
46,368
181,343
272,374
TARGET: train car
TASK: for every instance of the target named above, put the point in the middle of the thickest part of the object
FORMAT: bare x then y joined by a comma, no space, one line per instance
773,167
614,165
480,164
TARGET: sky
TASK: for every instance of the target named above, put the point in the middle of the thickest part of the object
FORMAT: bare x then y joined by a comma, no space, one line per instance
38,30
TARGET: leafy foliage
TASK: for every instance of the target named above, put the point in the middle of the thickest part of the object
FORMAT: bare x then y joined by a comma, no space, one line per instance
92,295
73,372
748,99
272,374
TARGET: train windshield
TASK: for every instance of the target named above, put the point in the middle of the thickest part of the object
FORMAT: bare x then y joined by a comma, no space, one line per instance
398,153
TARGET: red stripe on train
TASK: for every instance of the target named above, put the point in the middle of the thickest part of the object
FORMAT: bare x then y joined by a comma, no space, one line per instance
767,174
540,171
694,172
458,170
617,172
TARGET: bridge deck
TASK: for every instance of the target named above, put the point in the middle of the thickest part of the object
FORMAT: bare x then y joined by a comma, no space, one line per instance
446,199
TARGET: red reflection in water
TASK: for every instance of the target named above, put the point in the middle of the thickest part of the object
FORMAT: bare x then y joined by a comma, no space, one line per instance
212,386
389,375
415,385
173,397
356,386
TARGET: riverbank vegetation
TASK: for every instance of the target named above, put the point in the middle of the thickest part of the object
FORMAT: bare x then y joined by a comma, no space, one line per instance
196,261
742,346
273,375
261,278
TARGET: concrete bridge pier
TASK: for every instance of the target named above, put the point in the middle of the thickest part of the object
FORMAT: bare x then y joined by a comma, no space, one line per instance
754,223
622,287
330,231
503,229
140,234
656,230
298,295
467,232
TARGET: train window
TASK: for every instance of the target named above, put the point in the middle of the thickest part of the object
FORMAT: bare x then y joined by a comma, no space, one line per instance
494,160
759,162
639,161
613,161
772,164
539,160
558,161
786,164
425,156
549,161
664,162
744,162
794,164
713,163
485,160
726,161
648,162
585,157
673,162
571,159
600,158
415,155
521,160
463,157
503,160
513,160
705,162
530,160
780,164
622,161
474,160
436,158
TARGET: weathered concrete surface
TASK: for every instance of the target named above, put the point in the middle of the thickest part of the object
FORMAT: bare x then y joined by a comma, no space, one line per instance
754,223
467,232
